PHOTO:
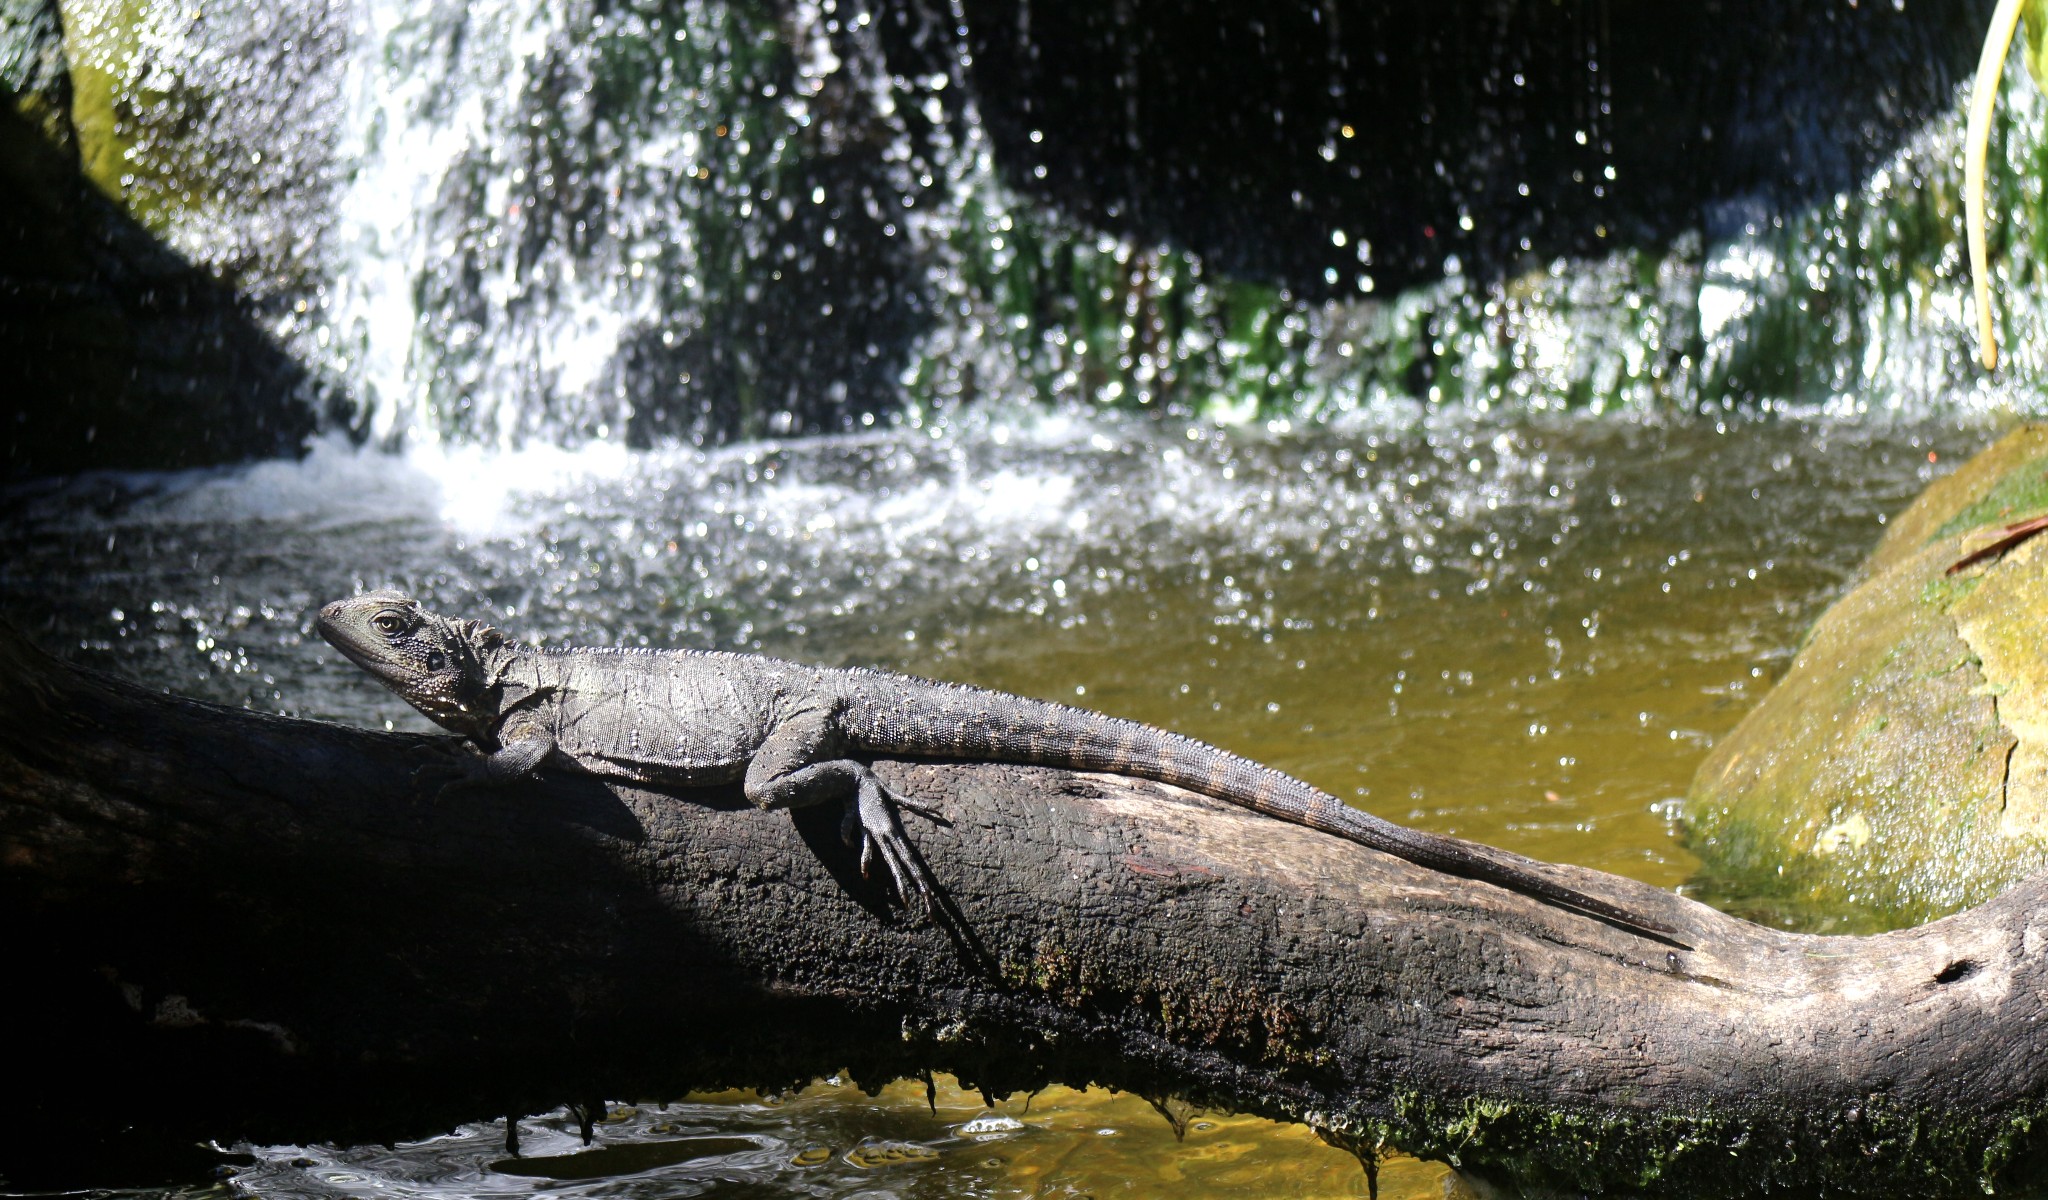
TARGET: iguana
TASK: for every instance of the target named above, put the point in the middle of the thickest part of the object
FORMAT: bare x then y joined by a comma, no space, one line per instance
793,736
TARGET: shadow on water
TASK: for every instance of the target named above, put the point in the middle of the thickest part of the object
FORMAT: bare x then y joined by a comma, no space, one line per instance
607,1161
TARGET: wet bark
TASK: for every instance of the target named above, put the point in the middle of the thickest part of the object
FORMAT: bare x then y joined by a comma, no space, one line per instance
226,924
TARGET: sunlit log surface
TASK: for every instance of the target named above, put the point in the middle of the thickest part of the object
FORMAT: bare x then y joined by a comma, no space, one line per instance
223,924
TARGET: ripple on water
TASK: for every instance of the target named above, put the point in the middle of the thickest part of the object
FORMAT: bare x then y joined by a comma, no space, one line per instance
831,1140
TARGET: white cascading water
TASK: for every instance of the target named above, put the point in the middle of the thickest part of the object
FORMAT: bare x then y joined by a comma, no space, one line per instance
532,186
441,103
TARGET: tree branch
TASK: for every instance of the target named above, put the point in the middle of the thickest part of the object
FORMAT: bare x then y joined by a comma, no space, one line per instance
239,925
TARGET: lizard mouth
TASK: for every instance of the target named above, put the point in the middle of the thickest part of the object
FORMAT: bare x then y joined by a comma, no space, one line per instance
384,669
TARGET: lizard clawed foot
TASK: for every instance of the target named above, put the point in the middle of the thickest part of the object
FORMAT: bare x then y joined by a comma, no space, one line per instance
923,810
871,820
457,769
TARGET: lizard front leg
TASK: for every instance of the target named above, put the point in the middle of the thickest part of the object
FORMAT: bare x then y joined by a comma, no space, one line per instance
800,764
524,743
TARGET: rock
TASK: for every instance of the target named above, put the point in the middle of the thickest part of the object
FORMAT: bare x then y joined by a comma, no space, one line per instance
1899,771
721,220
116,349
1498,132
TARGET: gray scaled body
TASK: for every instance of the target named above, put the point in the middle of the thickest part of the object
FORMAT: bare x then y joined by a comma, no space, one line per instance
793,735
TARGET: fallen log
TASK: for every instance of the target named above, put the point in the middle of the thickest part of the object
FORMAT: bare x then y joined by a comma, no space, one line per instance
226,924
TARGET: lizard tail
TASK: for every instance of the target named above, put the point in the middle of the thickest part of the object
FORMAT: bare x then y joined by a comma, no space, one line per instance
967,723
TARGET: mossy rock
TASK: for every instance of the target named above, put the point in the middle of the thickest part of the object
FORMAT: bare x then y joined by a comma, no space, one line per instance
1899,772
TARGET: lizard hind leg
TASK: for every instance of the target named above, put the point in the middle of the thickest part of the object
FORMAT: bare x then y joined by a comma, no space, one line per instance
797,767
873,826
874,808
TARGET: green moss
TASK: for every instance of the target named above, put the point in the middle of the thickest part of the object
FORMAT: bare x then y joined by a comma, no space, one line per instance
2016,496
135,140
1118,324
1872,1147
1943,591
1895,774
1860,296
1871,1144
1866,297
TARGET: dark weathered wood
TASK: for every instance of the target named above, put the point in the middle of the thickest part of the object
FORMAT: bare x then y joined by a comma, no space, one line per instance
233,924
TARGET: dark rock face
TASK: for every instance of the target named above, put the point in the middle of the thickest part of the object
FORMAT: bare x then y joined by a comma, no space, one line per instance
1253,132
115,349
810,300
117,352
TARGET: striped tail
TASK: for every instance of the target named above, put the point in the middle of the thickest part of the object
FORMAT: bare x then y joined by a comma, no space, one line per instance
927,720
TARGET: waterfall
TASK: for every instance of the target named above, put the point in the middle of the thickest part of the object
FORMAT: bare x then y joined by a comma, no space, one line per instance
552,214
570,221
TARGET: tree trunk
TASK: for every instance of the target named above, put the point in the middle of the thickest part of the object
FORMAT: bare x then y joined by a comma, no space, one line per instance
235,925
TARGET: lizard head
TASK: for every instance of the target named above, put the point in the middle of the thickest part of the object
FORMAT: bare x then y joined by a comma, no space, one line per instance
443,668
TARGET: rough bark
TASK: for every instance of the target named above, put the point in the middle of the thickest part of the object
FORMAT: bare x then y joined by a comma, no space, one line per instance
231,925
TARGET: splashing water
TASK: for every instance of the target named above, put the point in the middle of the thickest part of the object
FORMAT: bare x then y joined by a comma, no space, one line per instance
1313,597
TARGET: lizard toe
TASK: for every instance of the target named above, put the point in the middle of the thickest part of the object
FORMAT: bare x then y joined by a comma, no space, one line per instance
902,801
906,877
883,840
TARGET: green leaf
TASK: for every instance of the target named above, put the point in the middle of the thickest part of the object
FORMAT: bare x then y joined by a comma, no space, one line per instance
2035,18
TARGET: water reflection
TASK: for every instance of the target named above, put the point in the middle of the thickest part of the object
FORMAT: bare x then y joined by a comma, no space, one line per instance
831,1140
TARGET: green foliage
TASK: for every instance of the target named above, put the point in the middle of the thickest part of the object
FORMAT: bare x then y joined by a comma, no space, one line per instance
2034,18
1118,324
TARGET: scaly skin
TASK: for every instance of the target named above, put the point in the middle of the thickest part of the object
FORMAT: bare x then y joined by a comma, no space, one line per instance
790,735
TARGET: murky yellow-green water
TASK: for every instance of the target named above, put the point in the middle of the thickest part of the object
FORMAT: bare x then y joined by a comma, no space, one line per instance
831,1139
1522,631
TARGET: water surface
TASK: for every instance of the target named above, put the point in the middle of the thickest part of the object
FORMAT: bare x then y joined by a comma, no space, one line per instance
1524,629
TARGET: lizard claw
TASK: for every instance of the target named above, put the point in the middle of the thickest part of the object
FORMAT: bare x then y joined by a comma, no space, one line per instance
455,770
873,812
923,810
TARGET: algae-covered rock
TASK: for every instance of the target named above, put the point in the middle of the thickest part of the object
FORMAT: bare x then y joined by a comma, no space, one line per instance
120,347
1899,772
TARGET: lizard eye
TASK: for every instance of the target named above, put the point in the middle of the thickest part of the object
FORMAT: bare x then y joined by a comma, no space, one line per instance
388,622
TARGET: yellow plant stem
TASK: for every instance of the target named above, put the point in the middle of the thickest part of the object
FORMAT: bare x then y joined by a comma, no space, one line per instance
1983,95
